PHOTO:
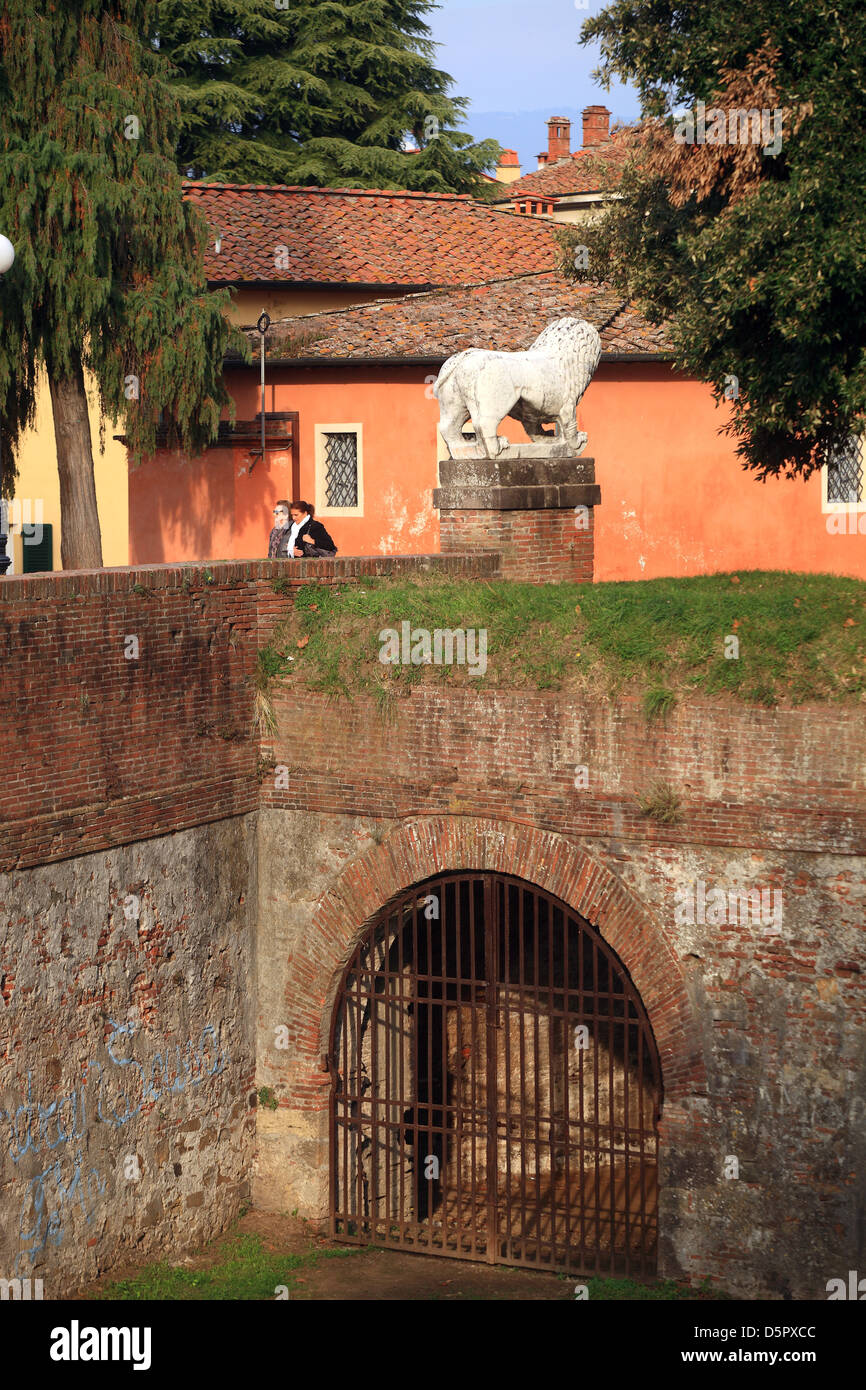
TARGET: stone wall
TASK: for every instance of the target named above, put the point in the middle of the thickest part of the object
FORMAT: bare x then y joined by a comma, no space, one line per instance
127,1060
759,1016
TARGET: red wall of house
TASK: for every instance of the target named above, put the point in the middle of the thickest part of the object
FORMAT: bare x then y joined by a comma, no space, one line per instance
675,500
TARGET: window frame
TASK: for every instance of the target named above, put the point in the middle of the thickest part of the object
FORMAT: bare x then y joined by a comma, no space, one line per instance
830,507
320,432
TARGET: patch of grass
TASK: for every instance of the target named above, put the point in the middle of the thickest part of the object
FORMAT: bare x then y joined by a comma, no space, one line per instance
630,1290
267,1099
242,1270
657,701
802,637
270,662
661,803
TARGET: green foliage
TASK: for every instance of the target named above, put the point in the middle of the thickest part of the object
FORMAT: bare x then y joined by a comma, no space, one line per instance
631,1290
242,1269
801,637
269,663
267,1099
770,286
657,701
108,273
318,92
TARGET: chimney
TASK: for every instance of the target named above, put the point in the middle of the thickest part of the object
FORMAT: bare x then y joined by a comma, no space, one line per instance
558,141
596,125
508,168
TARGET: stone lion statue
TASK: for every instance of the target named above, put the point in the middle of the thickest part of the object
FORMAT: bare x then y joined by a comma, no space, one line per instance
540,386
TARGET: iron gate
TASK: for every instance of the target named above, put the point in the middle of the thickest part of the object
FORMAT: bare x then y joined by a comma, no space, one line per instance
495,1085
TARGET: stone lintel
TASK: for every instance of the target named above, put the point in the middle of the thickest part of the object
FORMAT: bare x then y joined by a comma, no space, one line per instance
507,499
515,472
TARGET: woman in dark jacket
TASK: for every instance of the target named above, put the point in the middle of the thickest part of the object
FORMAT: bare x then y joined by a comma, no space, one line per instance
310,537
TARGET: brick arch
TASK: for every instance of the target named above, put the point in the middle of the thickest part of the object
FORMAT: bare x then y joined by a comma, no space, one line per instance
419,849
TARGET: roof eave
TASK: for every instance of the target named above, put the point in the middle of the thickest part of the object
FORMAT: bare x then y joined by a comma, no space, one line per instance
413,361
404,287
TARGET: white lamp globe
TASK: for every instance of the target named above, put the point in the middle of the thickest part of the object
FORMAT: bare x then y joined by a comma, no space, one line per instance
7,254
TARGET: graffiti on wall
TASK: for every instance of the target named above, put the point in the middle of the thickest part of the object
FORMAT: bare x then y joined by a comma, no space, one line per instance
111,1095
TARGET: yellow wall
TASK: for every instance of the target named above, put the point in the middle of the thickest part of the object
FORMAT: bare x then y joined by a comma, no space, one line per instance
37,479
575,214
288,303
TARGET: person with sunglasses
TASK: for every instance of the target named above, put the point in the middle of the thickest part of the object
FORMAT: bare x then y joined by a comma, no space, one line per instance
278,541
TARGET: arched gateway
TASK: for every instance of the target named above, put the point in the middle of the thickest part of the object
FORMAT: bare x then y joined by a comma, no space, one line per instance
496,1085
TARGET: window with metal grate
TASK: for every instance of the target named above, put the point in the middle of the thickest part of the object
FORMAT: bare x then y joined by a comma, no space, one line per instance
845,472
37,550
341,469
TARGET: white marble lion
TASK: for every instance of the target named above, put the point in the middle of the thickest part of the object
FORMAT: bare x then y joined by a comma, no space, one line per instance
541,385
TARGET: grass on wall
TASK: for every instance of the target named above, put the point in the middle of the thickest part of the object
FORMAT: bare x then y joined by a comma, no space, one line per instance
800,637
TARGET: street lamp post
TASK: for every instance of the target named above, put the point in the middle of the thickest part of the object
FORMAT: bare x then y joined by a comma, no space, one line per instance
263,324
7,256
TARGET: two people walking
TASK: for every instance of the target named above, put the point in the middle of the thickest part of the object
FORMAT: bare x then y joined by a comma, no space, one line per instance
299,538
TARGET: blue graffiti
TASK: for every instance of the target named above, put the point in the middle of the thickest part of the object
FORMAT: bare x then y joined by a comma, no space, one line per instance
44,1205
47,1127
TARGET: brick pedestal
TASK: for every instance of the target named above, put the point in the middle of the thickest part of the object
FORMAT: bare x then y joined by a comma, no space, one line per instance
536,512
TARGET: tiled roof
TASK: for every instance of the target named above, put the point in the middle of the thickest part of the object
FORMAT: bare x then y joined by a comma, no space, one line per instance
585,171
506,315
366,236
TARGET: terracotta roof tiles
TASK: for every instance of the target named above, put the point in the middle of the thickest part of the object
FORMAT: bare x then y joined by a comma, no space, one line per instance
363,236
506,315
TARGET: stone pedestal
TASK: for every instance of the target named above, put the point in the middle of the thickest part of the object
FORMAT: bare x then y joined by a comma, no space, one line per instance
536,512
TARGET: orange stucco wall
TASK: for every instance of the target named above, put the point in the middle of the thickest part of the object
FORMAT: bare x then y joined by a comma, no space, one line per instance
214,508
675,500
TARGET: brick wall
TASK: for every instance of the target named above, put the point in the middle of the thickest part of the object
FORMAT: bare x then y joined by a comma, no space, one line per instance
543,547
126,695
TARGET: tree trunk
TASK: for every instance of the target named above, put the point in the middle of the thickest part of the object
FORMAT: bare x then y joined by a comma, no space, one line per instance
81,541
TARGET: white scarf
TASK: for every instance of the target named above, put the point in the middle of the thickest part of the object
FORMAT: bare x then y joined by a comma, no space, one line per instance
293,534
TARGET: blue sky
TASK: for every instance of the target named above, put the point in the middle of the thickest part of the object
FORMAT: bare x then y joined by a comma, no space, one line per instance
519,62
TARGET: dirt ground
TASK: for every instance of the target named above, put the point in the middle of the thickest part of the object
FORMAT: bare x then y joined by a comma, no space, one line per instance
389,1275
374,1275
